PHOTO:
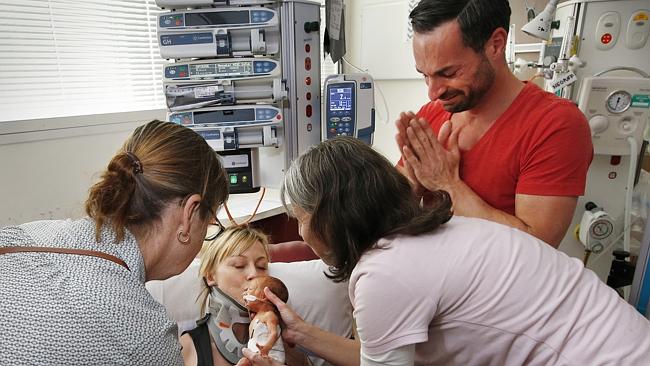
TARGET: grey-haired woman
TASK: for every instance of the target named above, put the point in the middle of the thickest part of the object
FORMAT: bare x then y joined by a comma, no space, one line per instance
431,289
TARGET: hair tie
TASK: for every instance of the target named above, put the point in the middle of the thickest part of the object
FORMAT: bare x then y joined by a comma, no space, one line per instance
137,164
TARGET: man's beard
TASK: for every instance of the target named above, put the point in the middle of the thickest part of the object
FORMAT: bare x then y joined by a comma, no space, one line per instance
483,80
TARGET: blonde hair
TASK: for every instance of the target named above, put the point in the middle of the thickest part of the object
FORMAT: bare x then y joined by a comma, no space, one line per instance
234,241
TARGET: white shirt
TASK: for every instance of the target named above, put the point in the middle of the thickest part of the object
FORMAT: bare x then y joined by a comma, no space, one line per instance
474,292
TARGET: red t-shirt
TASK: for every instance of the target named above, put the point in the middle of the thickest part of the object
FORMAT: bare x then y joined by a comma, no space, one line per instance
541,145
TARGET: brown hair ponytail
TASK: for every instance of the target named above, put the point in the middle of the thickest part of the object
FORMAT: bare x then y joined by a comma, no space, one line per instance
111,196
159,163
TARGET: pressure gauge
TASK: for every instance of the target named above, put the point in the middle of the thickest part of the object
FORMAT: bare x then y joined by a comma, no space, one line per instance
619,101
600,229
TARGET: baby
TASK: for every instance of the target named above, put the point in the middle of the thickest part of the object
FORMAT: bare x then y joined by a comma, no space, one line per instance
264,330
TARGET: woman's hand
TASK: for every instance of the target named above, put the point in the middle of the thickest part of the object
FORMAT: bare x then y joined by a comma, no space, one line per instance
255,359
293,322
331,347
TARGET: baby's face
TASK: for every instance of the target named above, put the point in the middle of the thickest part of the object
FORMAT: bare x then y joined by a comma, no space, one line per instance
254,293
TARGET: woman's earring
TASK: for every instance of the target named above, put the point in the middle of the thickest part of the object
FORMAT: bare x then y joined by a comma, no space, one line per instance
182,237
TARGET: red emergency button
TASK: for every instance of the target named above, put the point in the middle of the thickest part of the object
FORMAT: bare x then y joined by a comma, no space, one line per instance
308,111
606,38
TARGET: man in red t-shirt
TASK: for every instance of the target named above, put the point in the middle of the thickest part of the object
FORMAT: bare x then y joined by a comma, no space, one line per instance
505,150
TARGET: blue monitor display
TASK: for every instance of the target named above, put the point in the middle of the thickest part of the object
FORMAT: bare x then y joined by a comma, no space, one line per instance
341,99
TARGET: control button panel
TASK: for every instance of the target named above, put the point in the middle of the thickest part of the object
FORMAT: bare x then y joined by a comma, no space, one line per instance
638,29
607,30
340,114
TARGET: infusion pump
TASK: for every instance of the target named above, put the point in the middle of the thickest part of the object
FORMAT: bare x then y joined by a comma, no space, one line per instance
238,80
349,107
178,4
204,83
219,32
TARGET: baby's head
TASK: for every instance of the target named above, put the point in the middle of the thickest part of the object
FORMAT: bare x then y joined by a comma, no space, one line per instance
254,295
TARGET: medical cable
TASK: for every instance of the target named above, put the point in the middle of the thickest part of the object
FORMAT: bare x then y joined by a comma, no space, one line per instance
232,220
381,93
623,68
627,218
535,77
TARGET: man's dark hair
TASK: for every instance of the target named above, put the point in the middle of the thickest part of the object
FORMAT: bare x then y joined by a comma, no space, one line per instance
478,19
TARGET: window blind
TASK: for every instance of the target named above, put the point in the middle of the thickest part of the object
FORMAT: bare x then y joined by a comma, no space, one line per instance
61,58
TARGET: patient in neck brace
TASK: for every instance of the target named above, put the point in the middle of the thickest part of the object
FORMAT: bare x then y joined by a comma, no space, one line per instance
264,330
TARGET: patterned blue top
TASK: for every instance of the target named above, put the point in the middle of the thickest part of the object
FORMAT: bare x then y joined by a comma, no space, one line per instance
64,309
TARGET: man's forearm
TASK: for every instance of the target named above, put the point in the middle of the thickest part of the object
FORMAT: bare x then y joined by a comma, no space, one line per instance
467,203
545,217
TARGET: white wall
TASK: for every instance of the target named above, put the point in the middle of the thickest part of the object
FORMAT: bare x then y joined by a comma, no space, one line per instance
46,174
400,95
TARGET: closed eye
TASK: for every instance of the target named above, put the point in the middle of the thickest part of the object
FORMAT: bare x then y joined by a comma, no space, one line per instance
448,74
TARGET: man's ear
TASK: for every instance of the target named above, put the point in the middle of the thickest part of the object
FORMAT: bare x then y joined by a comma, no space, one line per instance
189,210
495,47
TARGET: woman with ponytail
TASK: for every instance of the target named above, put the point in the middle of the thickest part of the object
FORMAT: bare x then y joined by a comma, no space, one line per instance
73,291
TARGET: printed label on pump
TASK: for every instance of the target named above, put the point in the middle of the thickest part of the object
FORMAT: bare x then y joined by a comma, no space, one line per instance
641,101
207,91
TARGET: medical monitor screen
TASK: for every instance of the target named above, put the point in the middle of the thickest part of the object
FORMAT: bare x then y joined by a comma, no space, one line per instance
341,99
216,18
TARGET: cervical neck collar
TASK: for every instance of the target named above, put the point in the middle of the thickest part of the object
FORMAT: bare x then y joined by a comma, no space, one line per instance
226,312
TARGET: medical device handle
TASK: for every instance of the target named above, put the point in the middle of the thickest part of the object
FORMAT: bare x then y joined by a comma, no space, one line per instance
625,68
